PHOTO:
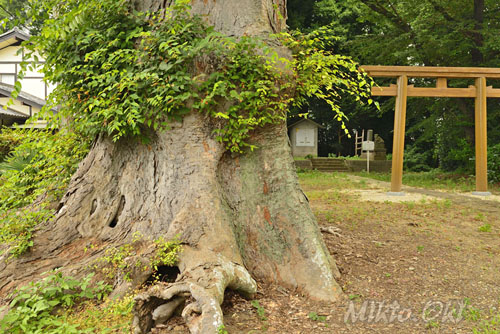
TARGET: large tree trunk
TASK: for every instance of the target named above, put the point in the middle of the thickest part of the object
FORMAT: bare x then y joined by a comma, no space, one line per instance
240,217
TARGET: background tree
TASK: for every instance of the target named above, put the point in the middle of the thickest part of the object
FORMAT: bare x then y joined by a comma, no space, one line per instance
409,32
11,11
344,19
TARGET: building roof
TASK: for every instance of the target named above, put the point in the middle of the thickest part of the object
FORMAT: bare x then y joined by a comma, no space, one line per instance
306,120
6,90
12,113
11,37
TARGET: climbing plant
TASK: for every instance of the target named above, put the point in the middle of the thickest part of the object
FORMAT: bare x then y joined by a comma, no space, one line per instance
123,72
34,176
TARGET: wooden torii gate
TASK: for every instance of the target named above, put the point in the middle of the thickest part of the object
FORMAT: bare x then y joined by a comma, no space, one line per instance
480,91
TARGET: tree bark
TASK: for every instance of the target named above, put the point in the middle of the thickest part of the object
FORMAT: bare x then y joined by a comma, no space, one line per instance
241,218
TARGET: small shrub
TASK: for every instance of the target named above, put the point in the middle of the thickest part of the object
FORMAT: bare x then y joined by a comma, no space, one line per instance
38,307
111,316
17,161
355,297
37,170
113,262
119,261
494,163
9,139
415,161
316,317
485,228
261,312
166,253
222,330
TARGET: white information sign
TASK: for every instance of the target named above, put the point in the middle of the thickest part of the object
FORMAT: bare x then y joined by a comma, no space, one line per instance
305,137
368,146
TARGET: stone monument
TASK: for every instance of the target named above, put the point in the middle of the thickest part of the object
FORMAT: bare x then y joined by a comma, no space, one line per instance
380,152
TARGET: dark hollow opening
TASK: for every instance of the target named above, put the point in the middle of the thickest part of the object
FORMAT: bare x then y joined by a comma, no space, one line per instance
114,221
93,207
165,274
59,207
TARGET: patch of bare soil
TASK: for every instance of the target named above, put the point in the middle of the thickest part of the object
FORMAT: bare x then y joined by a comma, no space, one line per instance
427,264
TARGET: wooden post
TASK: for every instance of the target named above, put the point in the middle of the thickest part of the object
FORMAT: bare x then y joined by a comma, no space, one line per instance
442,83
481,137
399,135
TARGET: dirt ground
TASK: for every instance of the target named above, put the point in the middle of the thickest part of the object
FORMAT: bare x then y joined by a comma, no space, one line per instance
427,262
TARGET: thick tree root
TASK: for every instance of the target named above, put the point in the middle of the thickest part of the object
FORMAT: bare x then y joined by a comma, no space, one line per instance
199,292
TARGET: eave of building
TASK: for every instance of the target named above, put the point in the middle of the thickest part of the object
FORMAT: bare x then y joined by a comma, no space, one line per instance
28,99
11,113
12,37
306,120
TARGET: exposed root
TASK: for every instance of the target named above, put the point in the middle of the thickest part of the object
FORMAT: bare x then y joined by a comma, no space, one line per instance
198,292
331,230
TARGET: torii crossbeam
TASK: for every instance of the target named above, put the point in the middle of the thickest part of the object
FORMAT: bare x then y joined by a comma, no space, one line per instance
480,91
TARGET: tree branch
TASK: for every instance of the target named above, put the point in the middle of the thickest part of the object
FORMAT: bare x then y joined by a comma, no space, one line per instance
440,9
396,20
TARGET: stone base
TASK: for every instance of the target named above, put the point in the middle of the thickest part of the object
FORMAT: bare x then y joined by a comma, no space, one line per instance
392,193
481,193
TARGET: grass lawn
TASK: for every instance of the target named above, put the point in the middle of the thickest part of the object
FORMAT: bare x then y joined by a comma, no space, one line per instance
436,180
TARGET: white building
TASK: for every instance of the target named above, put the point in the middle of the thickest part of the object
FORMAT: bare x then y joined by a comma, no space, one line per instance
304,137
34,90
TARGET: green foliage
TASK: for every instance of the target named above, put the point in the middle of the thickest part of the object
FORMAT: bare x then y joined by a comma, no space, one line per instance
54,159
37,307
415,161
124,73
494,163
9,139
118,262
111,316
485,228
222,330
16,227
17,161
121,72
316,317
355,297
484,322
456,153
420,33
261,312
37,170
114,263
167,253
324,75
10,10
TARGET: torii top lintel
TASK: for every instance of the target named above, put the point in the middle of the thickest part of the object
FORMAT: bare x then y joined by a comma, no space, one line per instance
441,73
